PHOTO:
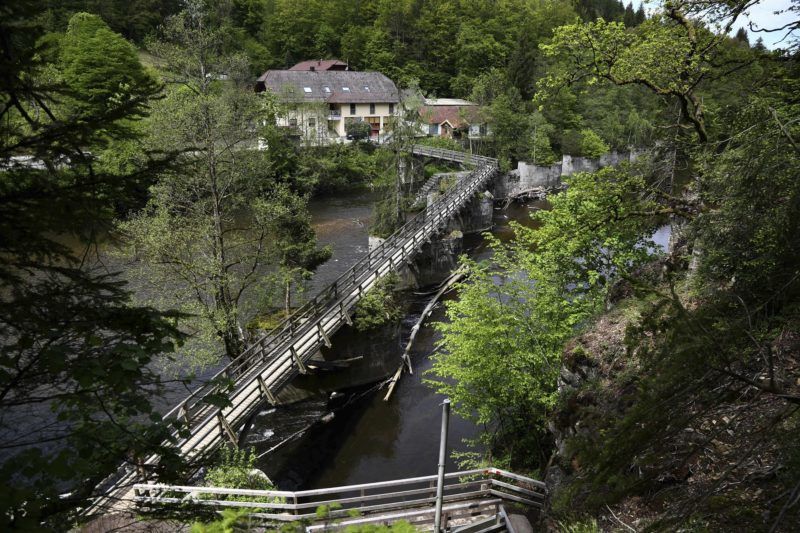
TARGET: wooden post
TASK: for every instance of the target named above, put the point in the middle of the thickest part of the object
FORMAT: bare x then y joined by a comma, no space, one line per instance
182,413
345,314
227,430
265,390
300,365
324,335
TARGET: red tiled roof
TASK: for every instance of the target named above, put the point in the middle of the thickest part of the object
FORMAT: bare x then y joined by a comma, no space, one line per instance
457,116
320,64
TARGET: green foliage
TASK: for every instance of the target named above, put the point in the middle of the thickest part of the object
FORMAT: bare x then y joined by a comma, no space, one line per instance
587,526
341,167
441,142
592,145
202,240
76,355
235,469
401,526
392,183
379,306
232,520
357,130
324,514
726,294
134,19
502,343
100,66
541,151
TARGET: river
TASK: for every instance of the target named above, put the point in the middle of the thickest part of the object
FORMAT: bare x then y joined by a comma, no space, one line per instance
368,439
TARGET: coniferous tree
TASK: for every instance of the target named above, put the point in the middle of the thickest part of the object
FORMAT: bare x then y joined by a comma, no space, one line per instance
76,388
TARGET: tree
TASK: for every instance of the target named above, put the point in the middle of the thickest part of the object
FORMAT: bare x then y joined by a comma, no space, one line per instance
76,385
501,346
671,55
294,241
592,145
542,151
204,237
357,130
404,128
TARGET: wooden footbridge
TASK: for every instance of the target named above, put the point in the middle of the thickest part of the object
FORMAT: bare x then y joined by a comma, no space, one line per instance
273,360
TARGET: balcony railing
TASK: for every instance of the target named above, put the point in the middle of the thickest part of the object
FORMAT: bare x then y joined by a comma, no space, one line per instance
335,115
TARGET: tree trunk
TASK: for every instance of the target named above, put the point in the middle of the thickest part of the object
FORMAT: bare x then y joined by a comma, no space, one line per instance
287,296
223,300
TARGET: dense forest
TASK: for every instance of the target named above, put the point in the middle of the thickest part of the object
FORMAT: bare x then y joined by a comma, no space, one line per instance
652,388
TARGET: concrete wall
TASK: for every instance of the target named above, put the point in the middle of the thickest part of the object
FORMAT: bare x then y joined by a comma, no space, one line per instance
527,176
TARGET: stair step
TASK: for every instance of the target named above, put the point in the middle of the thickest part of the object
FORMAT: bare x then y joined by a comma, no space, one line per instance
483,525
520,523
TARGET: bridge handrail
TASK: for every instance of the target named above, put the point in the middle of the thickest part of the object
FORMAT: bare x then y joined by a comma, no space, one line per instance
286,329
367,497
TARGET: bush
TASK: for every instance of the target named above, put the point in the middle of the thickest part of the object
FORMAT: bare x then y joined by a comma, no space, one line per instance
235,469
357,130
444,143
592,145
379,306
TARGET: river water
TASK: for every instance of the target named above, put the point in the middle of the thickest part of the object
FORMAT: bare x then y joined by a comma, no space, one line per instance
368,439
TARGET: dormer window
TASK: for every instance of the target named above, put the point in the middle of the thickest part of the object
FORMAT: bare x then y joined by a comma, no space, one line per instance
346,89
307,89
326,89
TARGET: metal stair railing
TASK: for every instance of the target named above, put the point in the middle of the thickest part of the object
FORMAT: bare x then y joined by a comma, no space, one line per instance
370,499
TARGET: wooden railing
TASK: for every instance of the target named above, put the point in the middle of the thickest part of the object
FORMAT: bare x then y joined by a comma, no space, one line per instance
339,296
280,354
371,500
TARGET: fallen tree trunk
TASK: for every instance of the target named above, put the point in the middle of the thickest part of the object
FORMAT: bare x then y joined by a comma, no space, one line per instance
457,276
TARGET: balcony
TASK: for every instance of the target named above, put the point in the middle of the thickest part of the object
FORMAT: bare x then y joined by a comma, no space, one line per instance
334,115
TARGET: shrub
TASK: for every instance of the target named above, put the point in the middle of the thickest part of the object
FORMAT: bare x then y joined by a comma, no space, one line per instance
380,305
235,469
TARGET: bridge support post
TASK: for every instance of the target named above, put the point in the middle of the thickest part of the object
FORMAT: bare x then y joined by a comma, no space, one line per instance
183,414
324,335
265,390
345,314
227,429
300,366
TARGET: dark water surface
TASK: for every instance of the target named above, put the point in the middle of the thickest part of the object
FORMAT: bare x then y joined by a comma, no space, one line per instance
369,439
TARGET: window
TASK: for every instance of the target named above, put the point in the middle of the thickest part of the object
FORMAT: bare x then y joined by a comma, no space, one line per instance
352,109
346,89
433,129
312,122
371,109
292,122
326,88
307,89
366,88
391,109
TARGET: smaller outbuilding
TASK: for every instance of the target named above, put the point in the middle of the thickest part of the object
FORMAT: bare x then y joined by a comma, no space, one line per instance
452,118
